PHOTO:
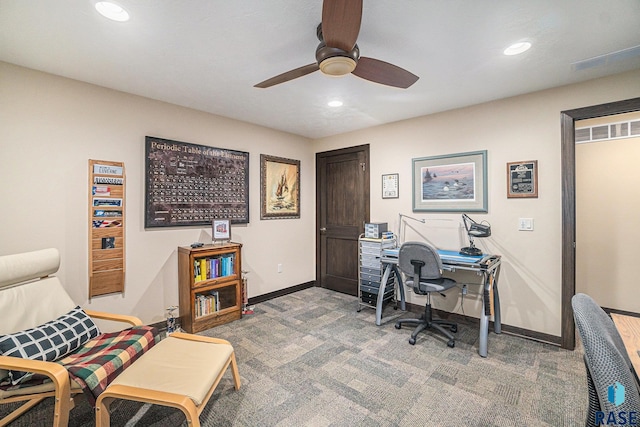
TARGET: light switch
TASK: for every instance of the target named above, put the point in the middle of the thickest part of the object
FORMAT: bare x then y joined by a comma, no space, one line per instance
525,224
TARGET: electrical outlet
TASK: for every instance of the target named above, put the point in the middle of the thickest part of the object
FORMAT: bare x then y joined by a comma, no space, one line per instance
279,268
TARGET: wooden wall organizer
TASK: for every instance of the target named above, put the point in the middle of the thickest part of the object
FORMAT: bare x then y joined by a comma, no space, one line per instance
106,227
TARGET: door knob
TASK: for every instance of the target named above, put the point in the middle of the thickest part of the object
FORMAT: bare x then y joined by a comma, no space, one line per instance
323,229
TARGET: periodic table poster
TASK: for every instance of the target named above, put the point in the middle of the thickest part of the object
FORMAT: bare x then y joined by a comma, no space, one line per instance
190,185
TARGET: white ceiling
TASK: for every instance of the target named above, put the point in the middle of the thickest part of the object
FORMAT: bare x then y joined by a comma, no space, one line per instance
208,54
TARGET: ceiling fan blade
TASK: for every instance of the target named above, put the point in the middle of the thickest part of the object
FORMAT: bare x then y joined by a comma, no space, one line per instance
384,73
289,75
341,23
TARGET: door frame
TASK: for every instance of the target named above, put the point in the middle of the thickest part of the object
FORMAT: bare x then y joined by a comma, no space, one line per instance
568,176
367,194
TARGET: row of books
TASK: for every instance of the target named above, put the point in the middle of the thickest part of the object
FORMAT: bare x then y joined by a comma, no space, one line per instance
210,268
207,304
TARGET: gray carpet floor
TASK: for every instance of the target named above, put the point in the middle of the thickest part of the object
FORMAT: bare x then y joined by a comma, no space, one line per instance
310,359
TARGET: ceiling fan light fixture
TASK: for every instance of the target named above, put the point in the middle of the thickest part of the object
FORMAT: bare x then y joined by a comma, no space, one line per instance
337,66
112,11
335,103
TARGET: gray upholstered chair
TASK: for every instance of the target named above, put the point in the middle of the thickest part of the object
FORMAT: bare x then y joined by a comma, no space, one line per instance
605,358
422,268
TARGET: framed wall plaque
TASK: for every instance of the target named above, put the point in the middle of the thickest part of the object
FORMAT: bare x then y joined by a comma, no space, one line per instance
390,186
190,185
522,179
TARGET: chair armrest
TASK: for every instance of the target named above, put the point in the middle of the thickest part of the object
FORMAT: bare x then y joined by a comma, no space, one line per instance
123,318
58,375
56,372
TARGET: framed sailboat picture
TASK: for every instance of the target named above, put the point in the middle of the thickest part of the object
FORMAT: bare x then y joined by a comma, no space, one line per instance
279,187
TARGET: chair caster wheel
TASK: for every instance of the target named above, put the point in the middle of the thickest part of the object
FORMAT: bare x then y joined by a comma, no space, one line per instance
454,328
398,326
451,343
412,341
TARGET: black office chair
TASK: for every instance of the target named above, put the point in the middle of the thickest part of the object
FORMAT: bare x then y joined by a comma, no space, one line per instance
422,267
606,360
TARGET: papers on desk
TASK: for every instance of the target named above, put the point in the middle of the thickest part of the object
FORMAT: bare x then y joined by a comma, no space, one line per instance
455,256
448,257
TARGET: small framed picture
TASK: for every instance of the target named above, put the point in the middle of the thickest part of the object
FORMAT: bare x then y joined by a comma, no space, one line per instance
522,179
221,230
390,186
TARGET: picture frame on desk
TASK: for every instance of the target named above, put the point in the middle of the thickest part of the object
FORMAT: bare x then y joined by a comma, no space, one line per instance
221,230
522,179
450,183
279,187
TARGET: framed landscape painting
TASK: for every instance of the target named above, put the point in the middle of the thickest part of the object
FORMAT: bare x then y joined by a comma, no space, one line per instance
450,183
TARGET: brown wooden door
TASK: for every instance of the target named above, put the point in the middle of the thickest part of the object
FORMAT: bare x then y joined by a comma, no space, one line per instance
342,208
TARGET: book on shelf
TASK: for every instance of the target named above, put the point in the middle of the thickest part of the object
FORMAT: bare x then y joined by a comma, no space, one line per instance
203,269
215,267
196,271
212,268
206,304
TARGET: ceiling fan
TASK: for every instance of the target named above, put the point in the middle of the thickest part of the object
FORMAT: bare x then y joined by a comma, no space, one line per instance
338,54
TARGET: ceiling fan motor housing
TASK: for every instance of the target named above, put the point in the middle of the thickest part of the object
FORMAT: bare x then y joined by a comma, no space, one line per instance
336,62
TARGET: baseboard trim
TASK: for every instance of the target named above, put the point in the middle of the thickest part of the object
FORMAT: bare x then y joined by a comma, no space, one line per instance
506,329
419,309
624,313
282,292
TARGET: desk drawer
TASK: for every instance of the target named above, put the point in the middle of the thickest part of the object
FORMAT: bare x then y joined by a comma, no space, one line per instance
370,251
370,245
371,263
372,299
374,289
375,280
377,271
370,274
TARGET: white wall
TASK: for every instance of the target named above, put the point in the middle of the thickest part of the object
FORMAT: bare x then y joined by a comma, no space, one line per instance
50,128
525,127
607,206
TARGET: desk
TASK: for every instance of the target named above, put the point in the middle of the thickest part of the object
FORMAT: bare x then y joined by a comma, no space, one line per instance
486,266
629,329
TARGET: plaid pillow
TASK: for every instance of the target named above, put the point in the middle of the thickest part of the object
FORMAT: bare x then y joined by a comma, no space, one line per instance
50,341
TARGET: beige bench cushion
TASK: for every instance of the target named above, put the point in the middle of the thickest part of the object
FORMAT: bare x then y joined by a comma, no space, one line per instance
175,365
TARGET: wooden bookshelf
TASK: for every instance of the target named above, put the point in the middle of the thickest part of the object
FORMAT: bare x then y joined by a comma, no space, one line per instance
106,227
210,285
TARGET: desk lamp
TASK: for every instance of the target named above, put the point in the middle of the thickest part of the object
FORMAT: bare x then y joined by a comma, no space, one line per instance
474,229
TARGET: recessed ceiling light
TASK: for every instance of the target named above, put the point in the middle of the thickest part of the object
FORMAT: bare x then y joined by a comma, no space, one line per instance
517,48
335,103
112,11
